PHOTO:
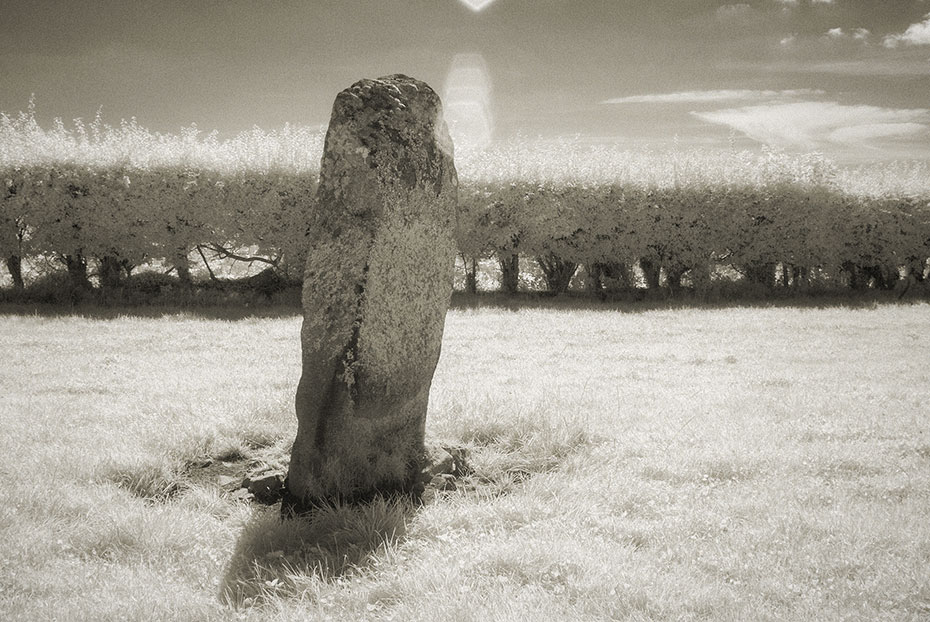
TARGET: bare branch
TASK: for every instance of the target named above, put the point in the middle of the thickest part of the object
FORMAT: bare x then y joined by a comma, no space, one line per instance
206,263
224,253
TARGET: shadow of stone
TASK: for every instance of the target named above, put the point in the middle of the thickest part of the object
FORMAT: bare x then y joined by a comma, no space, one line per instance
290,543
282,552
272,555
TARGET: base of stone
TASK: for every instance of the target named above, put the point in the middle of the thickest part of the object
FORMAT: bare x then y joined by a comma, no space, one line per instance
440,467
293,506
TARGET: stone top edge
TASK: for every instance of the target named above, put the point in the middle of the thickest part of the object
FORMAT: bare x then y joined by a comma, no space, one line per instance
391,89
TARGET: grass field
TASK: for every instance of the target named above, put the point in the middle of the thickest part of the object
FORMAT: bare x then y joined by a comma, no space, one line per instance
768,463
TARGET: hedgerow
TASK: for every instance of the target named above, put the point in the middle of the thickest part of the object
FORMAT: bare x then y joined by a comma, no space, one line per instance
104,200
686,214
120,197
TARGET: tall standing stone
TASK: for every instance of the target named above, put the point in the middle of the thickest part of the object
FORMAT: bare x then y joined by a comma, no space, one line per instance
376,290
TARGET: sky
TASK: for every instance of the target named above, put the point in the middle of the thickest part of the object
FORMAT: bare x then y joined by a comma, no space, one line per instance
848,78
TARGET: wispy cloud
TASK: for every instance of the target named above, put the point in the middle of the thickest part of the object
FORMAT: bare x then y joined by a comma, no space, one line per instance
870,131
916,34
693,97
815,125
732,11
856,34
792,3
867,61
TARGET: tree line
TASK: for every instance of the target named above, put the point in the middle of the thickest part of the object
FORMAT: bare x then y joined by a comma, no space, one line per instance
103,202
790,233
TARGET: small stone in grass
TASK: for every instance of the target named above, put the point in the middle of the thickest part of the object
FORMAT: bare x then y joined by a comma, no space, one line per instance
267,487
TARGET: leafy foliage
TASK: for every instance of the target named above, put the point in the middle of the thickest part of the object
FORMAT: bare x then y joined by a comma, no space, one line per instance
122,196
687,212
135,196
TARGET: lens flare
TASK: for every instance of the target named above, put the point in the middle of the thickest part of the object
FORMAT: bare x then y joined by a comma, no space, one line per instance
466,102
476,5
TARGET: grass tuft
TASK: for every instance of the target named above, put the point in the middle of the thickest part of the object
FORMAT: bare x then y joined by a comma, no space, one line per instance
153,478
276,557
508,447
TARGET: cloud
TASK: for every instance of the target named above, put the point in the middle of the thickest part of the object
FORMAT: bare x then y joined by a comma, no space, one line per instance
791,3
731,11
870,131
856,34
693,97
868,67
813,125
916,34
876,62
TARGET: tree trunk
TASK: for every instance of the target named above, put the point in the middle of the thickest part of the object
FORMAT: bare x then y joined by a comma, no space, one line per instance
558,273
884,278
79,284
760,273
700,277
110,272
593,282
616,276
183,269
651,271
14,264
862,277
855,278
77,271
471,275
916,268
673,276
510,273
207,264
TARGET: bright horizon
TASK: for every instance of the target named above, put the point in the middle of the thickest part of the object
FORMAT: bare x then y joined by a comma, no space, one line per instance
850,79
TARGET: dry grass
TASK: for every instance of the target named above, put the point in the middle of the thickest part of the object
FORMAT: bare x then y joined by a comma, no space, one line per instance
721,464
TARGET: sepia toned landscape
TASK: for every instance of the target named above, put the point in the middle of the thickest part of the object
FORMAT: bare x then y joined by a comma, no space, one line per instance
763,463
466,310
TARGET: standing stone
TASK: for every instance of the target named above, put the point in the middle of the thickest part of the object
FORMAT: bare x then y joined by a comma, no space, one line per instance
376,289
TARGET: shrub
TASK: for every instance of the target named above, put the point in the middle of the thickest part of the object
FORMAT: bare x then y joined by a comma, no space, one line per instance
116,198
53,288
151,283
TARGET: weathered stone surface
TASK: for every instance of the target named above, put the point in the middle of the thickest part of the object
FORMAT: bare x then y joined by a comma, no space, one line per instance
376,290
